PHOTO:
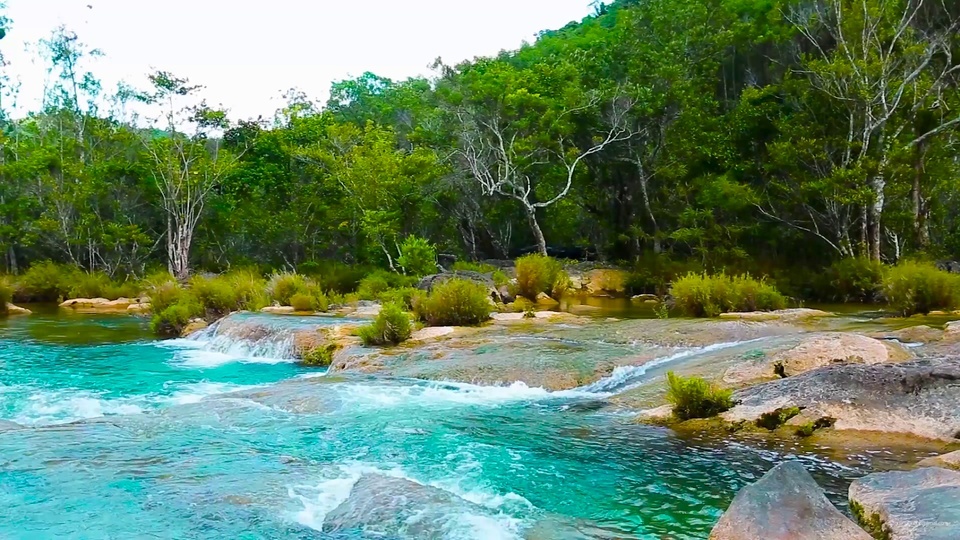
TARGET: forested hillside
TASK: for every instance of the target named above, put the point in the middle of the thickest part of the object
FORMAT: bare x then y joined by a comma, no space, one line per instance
742,134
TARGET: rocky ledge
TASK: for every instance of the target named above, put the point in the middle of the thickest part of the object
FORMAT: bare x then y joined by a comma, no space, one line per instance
923,504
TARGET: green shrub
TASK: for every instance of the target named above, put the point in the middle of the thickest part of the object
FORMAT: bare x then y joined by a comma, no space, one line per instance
694,397
376,283
45,281
215,294
391,327
917,287
164,294
340,278
283,285
172,320
89,285
653,273
456,302
6,293
499,277
852,280
303,302
539,274
250,289
418,257
405,297
321,356
702,295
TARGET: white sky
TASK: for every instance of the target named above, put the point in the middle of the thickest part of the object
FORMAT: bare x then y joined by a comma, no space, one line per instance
247,53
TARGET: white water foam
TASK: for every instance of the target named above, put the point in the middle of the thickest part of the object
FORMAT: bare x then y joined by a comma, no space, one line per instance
318,501
209,349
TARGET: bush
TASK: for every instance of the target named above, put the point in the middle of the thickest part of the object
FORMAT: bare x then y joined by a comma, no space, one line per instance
456,302
916,287
405,297
540,274
653,273
249,288
303,302
340,278
172,320
418,257
391,327
215,294
45,281
282,286
852,280
380,281
6,293
696,398
498,276
702,295
164,294
321,356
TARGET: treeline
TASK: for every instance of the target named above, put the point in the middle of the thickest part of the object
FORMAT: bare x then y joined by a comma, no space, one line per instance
747,135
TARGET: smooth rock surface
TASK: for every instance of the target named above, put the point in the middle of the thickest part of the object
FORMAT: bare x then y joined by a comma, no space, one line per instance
798,314
193,327
786,504
140,307
99,304
946,461
17,310
922,504
917,398
279,310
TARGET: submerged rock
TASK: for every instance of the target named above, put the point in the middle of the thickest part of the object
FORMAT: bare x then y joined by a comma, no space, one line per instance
946,461
786,504
99,304
17,310
923,504
815,352
384,505
6,425
193,327
918,398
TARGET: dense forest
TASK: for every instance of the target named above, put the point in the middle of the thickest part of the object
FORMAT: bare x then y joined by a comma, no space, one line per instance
753,135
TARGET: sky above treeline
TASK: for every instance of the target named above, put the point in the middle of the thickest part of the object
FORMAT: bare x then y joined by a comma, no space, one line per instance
247,54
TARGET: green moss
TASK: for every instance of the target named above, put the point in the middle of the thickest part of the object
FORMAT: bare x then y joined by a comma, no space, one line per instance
319,356
694,397
808,429
774,419
873,523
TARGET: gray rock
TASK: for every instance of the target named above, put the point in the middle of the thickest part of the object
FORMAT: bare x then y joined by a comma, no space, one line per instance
786,504
8,426
923,504
918,398
396,507
506,295
429,282
946,461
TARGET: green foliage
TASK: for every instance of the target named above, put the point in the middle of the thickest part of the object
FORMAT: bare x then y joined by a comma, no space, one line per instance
303,302
166,293
249,288
498,276
372,286
853,279
321,356
283,285
6,293
45,281
694,397
171,321
540,274
918,287
418,257
457,302
405,297
216,294
391,327
100,285
702,295
774,419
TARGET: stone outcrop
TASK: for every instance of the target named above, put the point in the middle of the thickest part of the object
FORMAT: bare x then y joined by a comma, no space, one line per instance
923,504
786,504
789,315
429,282
279,310
139,308
916,398
97,305
17,310
813,352
946,461
193,327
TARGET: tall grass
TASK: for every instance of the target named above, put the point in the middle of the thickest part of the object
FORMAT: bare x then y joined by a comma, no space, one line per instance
540,274
457,302
853,279
696,398
703,295
919,287
6,293
283,285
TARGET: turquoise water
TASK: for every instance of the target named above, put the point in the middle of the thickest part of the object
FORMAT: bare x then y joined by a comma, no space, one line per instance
128,437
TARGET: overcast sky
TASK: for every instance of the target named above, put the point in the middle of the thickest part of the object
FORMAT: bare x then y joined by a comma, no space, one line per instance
247,53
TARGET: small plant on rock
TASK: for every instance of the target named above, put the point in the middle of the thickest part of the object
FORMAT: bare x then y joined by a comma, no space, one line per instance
391,327
321,356
693,397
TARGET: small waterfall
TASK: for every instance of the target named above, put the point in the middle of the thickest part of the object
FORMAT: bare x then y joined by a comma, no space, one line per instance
625,377
246,340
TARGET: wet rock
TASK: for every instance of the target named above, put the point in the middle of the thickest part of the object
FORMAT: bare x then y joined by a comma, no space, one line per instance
543,299
279,310
951,332
786,504
645,298
923,504
914,334
429,282
8,426
814,352
559,528
17,310
506,295
95,305
193,327
139,308
431,333
792,315
946,461
604,282
916,398
384,505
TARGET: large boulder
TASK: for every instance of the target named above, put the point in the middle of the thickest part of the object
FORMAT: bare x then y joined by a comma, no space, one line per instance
814,352
923,504
386,506
786,504
946,461
428,283
17,310
917,398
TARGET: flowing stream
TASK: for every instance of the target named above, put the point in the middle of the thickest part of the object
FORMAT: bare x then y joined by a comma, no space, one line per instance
123,436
